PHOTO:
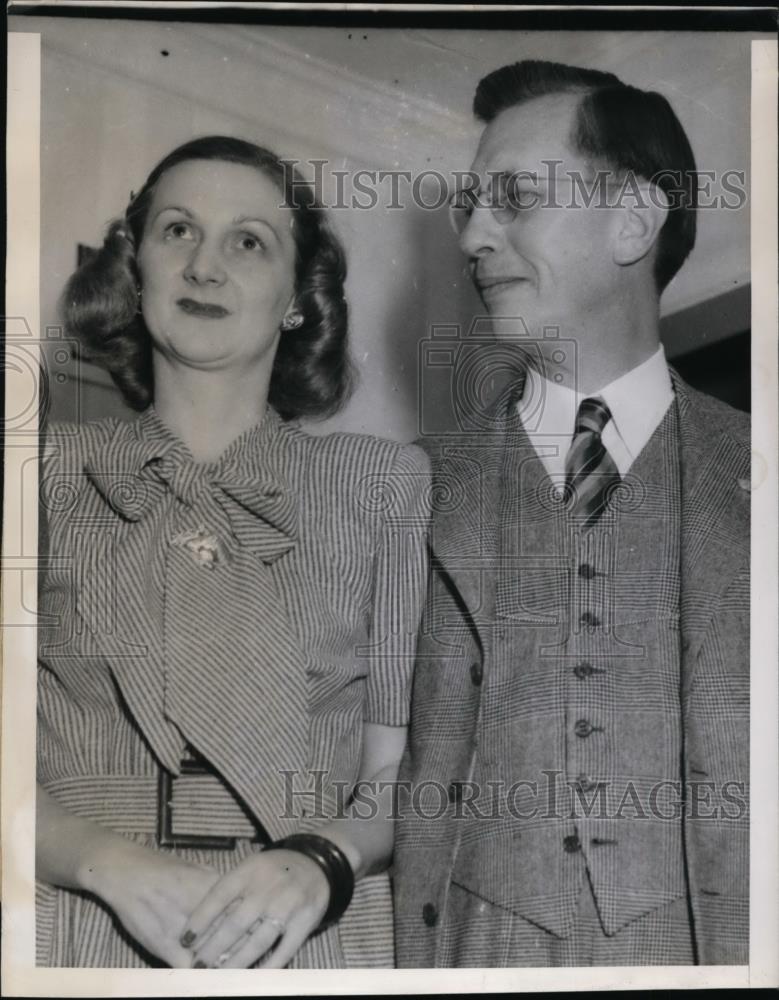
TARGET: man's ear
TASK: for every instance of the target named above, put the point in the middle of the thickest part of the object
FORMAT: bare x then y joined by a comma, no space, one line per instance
643,210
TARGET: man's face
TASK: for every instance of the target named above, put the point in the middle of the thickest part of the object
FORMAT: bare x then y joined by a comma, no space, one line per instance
553,264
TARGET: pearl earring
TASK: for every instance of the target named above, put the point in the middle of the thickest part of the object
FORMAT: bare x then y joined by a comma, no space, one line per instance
292,322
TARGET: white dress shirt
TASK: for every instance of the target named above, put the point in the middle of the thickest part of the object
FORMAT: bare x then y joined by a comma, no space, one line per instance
638,401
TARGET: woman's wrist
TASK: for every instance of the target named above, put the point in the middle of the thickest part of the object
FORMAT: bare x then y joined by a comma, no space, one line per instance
72,851
334,864
104,855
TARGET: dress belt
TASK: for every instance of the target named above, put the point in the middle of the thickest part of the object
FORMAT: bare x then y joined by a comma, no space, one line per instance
202,811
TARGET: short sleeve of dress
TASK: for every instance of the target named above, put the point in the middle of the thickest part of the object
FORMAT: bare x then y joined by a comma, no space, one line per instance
399,588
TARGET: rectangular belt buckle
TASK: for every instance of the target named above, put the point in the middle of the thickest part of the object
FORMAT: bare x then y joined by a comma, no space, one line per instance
165,835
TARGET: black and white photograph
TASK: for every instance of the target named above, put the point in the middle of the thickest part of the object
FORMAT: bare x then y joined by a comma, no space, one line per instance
390,514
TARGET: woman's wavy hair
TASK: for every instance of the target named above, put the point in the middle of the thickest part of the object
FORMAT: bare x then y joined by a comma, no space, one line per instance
312,372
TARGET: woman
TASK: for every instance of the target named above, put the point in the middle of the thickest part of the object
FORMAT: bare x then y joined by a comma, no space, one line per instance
231,604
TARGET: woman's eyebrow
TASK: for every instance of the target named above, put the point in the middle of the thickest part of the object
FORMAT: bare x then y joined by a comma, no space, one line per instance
174,208
241,220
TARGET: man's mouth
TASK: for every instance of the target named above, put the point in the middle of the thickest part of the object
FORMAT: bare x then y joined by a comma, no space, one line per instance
207,310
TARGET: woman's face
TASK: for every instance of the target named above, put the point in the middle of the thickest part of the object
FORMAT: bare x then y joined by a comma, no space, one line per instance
217,265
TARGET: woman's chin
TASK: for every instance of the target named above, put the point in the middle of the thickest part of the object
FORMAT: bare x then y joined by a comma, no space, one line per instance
204,357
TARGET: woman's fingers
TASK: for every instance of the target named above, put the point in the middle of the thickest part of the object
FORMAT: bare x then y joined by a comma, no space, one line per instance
219,904
261,936
248,931
298,929
223,931
250,909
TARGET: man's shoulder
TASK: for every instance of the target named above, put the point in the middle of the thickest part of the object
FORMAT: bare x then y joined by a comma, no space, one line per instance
479,435
712,417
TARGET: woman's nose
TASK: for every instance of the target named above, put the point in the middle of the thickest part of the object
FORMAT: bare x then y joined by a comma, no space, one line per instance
204,266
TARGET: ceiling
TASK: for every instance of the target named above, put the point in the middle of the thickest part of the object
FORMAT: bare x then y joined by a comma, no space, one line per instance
392,98
705,76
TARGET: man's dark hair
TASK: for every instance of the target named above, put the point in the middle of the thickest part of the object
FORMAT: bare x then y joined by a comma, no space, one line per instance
628,129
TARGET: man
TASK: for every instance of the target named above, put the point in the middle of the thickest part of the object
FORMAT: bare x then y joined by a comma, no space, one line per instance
578,754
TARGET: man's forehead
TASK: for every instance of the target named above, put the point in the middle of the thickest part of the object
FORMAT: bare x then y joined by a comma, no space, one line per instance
525,135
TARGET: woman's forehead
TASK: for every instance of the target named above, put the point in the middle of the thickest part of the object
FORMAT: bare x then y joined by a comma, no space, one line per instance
219,187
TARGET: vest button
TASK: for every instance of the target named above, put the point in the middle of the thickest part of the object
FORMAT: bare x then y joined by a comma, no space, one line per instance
583,670
585,784
571,844
430,914
586,572
476,674
582,728
588,618
455,791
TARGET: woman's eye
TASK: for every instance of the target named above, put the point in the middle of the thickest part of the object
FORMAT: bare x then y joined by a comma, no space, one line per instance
248,241
179,231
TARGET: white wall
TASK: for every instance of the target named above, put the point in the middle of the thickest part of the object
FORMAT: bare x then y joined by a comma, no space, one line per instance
113,104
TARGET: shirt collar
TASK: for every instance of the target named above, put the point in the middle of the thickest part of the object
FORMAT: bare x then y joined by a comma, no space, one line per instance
637,400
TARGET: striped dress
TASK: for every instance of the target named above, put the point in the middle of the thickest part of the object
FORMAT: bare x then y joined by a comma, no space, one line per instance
251,613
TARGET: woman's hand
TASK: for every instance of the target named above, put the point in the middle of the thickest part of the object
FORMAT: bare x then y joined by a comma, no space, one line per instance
271,900
152,894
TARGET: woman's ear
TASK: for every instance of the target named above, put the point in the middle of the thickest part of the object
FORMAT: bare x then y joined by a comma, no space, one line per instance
643,209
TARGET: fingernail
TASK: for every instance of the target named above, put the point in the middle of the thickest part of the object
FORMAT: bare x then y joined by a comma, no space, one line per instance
199,965
187,938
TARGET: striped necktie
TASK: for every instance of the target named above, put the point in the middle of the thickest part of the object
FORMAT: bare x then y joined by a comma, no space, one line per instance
590,472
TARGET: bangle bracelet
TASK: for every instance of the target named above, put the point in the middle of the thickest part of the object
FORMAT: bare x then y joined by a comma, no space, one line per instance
333,862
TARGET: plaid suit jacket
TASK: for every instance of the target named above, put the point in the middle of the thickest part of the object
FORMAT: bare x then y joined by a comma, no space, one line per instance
454,652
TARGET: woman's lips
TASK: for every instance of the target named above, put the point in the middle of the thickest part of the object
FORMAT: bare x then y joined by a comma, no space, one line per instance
206,310
487,285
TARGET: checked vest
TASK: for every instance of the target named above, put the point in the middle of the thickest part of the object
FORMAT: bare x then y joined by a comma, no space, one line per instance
581,713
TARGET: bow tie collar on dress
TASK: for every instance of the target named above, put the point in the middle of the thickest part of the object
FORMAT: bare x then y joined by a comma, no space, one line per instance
214,657
136,473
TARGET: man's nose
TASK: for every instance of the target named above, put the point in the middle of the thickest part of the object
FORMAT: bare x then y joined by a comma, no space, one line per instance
204,266
483,233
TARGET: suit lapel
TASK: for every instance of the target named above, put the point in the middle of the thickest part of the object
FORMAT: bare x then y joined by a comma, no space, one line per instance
465,532
715,507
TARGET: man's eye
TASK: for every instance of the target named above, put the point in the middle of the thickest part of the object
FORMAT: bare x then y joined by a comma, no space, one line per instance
522,198
463,201
511,194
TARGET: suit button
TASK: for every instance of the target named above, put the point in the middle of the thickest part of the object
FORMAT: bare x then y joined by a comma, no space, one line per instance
582,728
588,618
476,674
571,844
583,670
586,572
455,791
430,914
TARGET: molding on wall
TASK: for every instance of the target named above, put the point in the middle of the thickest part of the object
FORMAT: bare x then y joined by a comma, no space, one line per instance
395,129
